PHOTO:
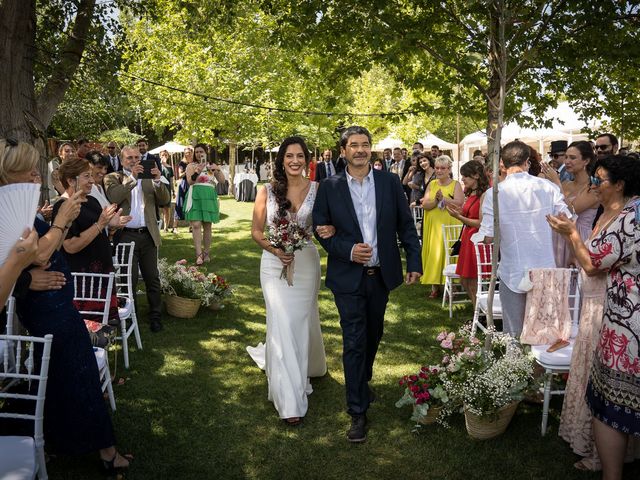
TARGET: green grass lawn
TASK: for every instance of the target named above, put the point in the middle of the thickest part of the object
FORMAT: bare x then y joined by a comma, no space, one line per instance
194,405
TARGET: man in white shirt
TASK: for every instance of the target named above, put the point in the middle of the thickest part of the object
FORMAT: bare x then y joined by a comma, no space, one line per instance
525,235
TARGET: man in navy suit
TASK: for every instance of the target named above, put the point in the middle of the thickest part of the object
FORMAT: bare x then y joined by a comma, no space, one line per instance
369,211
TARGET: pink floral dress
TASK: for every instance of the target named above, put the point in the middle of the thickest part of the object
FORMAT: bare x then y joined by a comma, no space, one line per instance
613,392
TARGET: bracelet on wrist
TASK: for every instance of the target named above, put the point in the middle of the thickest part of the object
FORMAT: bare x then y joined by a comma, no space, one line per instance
58,227
98,227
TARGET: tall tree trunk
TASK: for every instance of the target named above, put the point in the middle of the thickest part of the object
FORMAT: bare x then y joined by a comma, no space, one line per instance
24,115
495,108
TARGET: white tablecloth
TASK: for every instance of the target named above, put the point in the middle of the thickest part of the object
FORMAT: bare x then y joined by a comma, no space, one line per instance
239,177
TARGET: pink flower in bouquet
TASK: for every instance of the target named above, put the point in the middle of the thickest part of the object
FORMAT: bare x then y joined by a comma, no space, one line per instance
181,262
441,336
447,343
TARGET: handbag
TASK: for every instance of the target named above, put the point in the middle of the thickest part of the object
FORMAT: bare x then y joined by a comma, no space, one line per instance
455,248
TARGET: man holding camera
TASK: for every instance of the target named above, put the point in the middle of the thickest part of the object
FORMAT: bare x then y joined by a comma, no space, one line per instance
138,191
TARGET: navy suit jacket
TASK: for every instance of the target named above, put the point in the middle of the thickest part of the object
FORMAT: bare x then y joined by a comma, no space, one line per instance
334,206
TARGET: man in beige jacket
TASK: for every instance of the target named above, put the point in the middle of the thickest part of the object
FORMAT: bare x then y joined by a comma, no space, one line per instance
140,199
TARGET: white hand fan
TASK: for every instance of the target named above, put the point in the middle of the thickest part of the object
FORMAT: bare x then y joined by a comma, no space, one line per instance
18,205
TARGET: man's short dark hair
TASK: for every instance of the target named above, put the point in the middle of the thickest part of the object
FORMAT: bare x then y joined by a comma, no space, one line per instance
515,153
612,138
397,148
141,140
435,146
418,143
353,130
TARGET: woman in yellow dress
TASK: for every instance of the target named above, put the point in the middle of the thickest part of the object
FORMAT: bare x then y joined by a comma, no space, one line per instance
442,191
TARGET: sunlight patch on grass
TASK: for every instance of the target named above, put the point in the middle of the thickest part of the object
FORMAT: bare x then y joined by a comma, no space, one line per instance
175,364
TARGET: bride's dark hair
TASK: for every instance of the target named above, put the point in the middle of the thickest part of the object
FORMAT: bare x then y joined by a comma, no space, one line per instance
279,182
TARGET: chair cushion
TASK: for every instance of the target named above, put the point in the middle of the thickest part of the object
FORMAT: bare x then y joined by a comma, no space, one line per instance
124,312
450,271
17,458
483,302
560,358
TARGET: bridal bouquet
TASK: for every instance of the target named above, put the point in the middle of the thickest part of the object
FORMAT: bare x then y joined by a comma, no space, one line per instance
288,236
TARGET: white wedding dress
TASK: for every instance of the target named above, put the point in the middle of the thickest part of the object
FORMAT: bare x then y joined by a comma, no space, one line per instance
294,350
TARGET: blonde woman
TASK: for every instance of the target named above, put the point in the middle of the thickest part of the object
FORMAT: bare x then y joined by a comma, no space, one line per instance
441,192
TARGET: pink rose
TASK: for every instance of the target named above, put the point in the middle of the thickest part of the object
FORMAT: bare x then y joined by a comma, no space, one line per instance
441,336
447,343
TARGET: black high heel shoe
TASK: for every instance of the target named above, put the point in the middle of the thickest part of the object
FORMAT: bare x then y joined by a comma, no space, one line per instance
110,465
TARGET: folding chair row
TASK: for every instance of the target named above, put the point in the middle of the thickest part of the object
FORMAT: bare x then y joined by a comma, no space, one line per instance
453,289
20,455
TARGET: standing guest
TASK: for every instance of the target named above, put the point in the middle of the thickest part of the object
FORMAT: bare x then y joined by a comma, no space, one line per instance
422,178
294,350
377,164
418,146
606,144
99,167
114,159
558,156
183,185
535,163
405,155
76,420
410,168
66,150
326,168
387,156
167,172
312,168
524,201
578,194
613,388
398,162
201,207
369,212
86,246
143,147
435,151
140,198
438,195
476,184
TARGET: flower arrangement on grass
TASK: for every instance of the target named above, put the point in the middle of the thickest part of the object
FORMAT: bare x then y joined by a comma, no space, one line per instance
423,390
470,376
484,380
215,289
179,280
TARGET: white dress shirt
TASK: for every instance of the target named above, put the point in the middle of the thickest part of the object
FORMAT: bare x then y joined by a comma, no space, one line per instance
137,204
98,193
363,196
525,235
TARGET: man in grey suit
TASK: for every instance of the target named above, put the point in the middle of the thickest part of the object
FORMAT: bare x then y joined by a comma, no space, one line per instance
140,199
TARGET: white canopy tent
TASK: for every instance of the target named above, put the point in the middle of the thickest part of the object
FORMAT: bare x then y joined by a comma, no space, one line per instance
171,147
566,126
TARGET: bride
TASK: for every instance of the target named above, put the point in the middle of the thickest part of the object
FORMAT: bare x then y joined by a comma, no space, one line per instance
294,350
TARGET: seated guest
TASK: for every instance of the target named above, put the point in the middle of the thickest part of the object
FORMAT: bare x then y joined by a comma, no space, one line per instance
475,184
525,243
86,246
76,420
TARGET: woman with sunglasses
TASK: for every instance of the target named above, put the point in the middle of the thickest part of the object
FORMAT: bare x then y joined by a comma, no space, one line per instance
612,388
580,198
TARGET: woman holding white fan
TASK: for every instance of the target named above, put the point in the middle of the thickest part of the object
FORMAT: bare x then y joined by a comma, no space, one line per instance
76,417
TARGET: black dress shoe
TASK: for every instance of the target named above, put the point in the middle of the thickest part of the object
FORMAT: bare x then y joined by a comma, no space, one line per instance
357,432
155,326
